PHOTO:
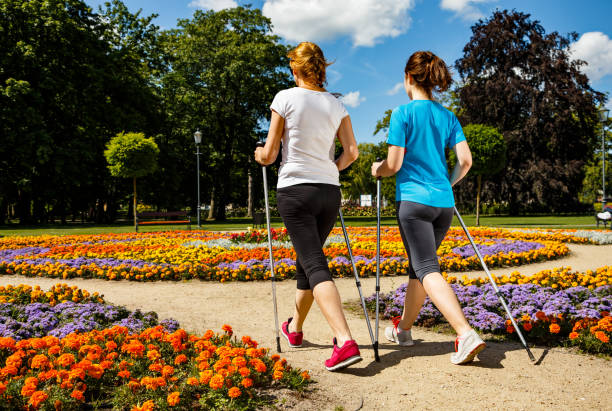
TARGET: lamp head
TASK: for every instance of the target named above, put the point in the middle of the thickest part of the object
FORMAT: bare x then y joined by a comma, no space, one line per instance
197,136
603,114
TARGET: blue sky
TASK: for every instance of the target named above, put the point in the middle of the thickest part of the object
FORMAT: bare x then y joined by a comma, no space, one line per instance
371,42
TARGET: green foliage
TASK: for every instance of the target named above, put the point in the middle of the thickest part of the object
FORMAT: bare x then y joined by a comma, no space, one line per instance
592,183
225,69
131,155
359,178
521,80
488,149
69,78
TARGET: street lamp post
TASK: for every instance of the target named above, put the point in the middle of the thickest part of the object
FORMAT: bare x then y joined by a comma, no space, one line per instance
603,118
197,136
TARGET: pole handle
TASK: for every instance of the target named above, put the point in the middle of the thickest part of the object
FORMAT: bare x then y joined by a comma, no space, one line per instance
378,160
260,144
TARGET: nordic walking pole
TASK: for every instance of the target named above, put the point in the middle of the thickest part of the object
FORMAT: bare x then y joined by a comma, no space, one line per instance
365,310
377,262
499,295
272,277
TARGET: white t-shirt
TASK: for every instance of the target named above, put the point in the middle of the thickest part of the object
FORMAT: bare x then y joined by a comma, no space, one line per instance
312,119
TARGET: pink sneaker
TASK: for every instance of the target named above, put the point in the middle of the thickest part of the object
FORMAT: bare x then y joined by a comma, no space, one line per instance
343,356
294,339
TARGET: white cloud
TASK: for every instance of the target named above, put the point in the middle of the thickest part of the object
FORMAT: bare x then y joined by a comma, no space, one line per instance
215,5
353,99
396,89
366,22
596,49
464,8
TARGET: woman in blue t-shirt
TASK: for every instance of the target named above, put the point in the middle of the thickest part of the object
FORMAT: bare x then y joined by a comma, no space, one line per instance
419,132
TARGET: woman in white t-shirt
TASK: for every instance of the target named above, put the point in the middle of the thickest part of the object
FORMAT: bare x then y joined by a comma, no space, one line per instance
308,119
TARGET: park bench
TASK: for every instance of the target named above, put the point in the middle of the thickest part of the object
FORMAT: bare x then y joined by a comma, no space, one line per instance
163,218
258,219
598,219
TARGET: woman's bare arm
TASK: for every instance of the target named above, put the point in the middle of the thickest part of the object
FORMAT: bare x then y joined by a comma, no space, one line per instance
349,145
267,154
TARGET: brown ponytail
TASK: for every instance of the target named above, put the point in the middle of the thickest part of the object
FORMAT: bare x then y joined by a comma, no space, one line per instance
429,71
308,60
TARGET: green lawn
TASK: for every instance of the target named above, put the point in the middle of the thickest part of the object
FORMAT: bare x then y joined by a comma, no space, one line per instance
550,221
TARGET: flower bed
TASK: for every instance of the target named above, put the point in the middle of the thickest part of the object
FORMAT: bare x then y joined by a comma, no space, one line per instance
181,255
154,369
565,314
27,312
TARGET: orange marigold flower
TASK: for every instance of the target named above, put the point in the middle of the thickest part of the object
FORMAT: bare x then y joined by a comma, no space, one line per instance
2,388
208,335
39,361
133,385
173,398
7,342
153,355
234,392
277,375
275,357
554,328
228,329
239,361
601,336
54,350
192,381
38,398
573,335
247,382
216,382
180,359
305,375
167,371
78,395
65,360
510,329
205,376
124,374
244,371
95,371
540,315
146,406
527,326
157,367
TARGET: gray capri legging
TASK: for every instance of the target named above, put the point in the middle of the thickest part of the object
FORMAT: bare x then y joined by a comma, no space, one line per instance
422,228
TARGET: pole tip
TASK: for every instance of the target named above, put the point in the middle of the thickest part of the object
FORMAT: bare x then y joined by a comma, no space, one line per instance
278,348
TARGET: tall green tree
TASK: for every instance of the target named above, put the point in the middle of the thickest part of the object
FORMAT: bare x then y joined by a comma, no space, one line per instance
225,69
131,155
488,155
70,78
522,81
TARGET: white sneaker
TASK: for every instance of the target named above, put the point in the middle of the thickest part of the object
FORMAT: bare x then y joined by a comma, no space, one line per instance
397,335
467,347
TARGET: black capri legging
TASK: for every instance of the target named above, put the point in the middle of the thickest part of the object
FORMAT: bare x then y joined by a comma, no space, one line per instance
309,212
422,228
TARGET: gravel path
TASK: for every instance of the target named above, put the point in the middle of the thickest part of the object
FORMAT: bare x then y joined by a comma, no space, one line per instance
418,377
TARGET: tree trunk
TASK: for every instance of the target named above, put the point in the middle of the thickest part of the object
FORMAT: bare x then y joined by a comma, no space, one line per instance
479,179
135,211
211,211
250,199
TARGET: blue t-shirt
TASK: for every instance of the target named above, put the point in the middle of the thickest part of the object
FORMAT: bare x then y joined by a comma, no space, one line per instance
424,128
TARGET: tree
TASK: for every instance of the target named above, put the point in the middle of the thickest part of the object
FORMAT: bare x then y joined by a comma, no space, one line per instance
358,178
131,155
522,81
225,69
488,155
70,79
